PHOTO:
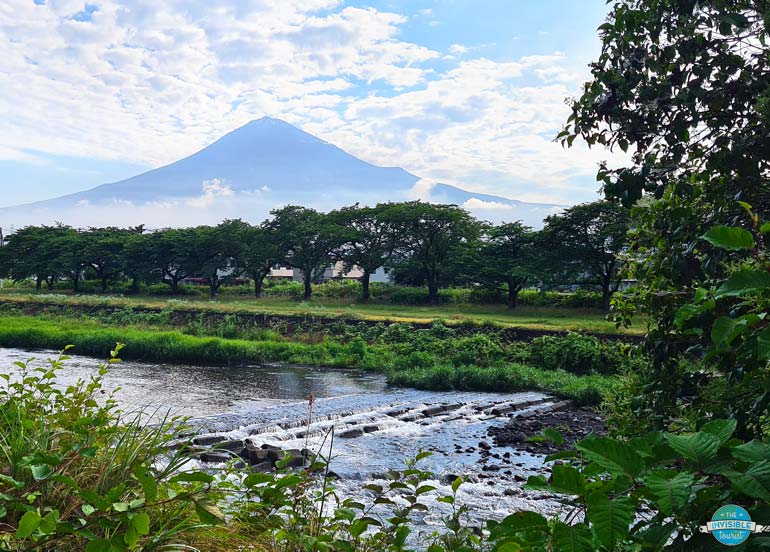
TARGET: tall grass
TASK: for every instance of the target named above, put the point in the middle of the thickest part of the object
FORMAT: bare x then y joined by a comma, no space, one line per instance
584,390
74,475
167,346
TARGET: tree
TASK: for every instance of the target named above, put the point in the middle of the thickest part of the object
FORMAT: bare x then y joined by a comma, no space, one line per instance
140,260
70,254
683,86
165,253
215,252
372,242
30,252
432,238
585,242
103,251
508,258
309,238
263,248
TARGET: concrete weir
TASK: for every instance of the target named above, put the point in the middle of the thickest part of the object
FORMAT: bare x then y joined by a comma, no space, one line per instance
375,428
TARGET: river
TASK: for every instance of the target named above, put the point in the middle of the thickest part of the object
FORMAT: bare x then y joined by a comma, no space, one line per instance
269,405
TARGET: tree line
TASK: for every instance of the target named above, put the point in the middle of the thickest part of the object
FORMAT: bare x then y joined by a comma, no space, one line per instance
418,243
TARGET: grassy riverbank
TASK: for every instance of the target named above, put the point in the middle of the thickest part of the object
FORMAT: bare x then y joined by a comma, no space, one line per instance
434,358
528,317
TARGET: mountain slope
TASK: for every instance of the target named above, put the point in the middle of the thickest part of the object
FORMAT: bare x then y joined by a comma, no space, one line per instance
256,167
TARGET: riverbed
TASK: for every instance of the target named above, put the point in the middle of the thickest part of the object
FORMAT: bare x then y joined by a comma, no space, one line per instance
376,426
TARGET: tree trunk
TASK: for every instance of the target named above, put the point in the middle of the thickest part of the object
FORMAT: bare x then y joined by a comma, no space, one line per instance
365,294
432,290
174,285
76,282
38,283
135,284
258,279
308,278
213,286
606,294
104,284
513,295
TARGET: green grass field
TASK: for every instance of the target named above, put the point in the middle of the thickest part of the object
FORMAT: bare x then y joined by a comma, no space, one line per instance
535,318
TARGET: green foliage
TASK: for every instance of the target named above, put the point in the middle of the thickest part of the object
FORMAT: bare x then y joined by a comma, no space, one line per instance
575,353
585,244
678,479
73,476
583,390
434,241
508,258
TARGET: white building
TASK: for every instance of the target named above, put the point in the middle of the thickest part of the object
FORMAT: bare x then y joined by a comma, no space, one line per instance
332,272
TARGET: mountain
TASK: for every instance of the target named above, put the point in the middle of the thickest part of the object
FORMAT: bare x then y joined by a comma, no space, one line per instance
261,165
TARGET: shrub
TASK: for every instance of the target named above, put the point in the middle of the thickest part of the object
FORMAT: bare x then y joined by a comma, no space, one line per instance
576,353
74,477
165,289
478,350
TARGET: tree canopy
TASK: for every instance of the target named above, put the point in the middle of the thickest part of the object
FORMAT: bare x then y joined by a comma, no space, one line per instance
684,87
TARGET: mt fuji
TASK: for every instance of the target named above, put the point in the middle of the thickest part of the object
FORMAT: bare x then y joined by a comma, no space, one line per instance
257,167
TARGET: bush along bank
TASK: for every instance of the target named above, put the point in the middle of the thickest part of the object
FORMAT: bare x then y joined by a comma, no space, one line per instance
579,367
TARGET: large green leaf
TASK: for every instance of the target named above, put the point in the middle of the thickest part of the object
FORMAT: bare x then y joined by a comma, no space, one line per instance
754,482
753,451
572,538
655,537
721,429
614,456
610,518
697,447
520,527
763,344
672,490
731,238
208,512
722,330
567,479
28,524
743,282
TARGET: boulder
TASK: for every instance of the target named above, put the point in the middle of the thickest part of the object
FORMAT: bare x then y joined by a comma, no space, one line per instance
262,467
233,445
215,457
208,440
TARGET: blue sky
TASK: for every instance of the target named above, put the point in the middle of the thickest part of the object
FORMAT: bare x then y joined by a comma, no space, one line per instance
465,92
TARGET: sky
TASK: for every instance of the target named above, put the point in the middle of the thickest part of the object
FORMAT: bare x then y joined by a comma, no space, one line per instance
467,92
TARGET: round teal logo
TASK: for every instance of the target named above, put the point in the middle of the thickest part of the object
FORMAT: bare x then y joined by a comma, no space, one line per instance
731,525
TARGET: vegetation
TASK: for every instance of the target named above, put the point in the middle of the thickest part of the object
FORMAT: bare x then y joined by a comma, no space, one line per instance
586,243
684,86
409,357
73,476
678,87
331,304
420,244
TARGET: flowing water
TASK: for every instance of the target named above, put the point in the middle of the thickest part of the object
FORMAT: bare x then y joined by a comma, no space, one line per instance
376,427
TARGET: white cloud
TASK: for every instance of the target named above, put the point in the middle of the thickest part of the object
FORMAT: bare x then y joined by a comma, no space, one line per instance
213,190
458,49
477,204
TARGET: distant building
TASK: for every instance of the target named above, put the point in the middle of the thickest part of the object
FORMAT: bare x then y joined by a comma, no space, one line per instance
335,271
